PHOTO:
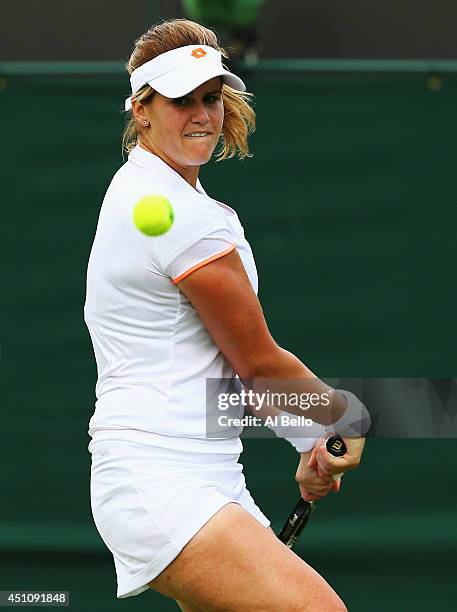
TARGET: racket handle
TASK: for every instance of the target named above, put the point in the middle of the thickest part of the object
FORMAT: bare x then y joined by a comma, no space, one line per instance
335,446
296,522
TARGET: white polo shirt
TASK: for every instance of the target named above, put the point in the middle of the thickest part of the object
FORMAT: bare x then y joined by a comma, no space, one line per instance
152,350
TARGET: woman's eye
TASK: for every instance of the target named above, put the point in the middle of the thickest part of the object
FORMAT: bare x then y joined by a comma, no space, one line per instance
180,101
184,101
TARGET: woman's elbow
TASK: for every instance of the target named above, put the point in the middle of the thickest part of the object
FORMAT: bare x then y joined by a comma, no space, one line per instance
264,363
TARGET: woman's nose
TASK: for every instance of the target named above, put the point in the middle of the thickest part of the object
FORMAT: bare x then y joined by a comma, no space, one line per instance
200,114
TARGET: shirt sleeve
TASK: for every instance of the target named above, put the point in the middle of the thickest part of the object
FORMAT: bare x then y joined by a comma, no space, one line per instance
205,250
193,242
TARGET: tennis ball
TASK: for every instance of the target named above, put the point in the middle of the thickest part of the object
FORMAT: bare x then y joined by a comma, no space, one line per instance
153,215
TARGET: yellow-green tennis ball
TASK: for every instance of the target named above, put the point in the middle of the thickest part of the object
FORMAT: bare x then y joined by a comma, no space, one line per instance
153,215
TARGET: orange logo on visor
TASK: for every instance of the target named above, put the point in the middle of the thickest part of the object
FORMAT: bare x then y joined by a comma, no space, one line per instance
198,53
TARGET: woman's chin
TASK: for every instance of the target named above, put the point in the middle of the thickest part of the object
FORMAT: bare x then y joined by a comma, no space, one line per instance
199,153
198,159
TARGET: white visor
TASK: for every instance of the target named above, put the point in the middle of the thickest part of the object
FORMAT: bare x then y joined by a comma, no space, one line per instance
178,72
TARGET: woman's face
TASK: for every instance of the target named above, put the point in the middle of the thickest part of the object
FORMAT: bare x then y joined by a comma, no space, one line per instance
184,131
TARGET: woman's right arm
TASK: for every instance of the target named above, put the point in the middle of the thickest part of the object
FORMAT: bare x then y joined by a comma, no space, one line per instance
225,301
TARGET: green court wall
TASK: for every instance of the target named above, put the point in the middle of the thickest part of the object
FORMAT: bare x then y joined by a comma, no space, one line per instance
349,202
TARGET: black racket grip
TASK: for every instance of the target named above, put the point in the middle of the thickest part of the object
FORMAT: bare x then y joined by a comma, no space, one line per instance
296,522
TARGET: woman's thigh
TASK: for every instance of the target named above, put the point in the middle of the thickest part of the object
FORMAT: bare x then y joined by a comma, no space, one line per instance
234,564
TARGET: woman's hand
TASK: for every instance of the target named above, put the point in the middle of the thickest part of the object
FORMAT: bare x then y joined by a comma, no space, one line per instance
328,466
312,485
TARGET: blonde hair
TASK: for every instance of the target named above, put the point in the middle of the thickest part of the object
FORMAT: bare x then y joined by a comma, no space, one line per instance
239,116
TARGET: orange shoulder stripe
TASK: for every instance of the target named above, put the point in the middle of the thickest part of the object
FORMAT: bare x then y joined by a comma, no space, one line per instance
203,263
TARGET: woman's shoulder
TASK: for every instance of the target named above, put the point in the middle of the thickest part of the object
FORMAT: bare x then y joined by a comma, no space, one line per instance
131,182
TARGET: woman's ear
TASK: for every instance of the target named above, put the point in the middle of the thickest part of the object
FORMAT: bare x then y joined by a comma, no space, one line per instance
139,112
140,108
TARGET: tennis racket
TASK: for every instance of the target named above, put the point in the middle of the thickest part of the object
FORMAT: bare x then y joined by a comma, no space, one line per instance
304,509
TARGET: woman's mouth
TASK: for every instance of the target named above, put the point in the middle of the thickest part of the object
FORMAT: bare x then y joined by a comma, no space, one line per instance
198,134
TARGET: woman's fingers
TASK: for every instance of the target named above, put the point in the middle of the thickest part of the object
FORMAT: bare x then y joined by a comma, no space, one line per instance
309,477
312,492
336,485
312,486
309,495
312,462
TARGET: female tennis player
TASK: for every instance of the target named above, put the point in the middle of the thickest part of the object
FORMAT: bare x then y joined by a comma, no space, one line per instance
167,313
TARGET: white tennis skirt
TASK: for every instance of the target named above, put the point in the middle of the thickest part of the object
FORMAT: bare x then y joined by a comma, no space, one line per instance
148,502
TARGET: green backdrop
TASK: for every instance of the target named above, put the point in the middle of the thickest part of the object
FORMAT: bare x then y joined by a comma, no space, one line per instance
350,206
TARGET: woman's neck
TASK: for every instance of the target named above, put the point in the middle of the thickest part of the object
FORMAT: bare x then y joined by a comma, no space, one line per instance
189,174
